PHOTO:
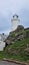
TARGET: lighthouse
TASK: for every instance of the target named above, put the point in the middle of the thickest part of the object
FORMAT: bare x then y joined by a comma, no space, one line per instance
14,22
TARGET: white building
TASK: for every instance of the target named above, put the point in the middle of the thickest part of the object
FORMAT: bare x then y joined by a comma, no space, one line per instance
3,37
2,43
14,22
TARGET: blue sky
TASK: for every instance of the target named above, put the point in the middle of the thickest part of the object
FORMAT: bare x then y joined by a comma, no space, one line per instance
8,8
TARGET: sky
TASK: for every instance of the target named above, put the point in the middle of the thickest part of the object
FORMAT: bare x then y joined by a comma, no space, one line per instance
8,8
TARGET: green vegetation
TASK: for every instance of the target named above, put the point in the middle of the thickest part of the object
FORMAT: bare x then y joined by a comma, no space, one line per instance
17,51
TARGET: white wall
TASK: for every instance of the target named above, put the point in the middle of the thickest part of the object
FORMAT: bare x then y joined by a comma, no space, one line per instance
14,24
2,45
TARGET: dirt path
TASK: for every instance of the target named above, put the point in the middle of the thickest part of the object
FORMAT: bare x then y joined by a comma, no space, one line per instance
7,63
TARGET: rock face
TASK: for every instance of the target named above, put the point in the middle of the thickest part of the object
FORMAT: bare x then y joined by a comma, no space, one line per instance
19,34
19,28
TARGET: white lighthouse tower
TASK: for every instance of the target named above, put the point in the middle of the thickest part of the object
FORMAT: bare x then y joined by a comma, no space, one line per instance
14,22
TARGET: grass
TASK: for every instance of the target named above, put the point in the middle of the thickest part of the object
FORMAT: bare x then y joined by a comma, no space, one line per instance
16,51
18,45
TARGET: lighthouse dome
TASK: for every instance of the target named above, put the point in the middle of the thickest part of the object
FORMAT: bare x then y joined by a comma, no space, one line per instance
15,16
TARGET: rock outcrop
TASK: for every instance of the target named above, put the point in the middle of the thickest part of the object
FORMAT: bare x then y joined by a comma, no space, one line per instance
19,34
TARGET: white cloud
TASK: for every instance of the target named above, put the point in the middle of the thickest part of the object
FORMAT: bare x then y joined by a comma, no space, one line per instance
10,7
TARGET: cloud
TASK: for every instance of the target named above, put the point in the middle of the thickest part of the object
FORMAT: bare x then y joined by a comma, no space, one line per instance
8,8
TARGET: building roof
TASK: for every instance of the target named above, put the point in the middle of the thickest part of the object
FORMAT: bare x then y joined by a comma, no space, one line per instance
3,37
15,15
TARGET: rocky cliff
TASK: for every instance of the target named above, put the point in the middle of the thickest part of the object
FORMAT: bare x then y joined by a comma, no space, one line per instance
17,47
19,34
